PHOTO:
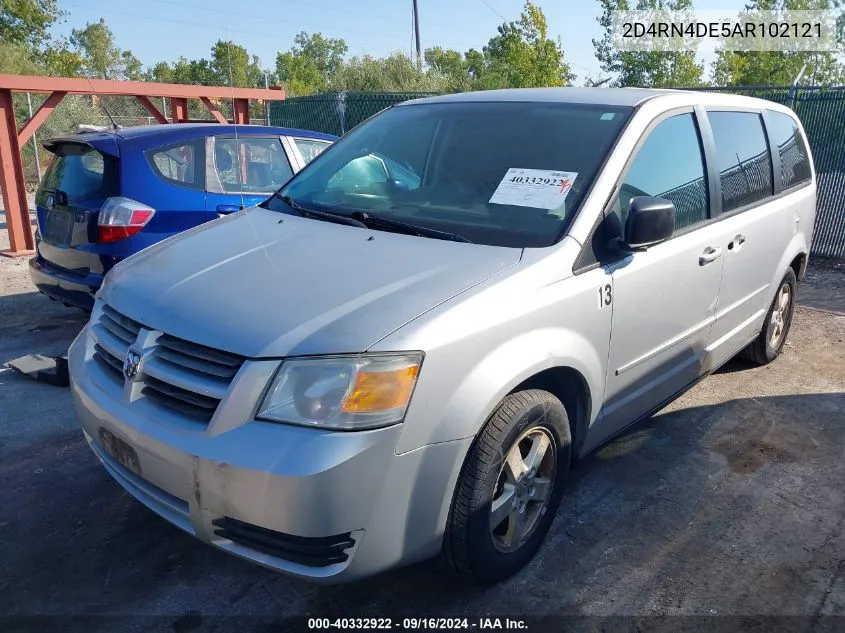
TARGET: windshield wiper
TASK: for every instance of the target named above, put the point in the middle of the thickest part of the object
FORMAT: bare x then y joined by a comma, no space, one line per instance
339,218
414,229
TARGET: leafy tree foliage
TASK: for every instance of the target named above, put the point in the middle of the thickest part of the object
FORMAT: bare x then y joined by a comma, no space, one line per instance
394,73
307,66
657,69
522,55
101,57
27,22
771,68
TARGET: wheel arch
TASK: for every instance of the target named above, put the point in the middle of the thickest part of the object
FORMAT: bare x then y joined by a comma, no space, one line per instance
570,387
795,256
799,265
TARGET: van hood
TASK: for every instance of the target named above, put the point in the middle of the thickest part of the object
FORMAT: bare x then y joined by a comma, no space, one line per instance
265,284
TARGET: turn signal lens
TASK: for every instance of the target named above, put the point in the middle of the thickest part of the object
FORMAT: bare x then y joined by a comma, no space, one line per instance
381,390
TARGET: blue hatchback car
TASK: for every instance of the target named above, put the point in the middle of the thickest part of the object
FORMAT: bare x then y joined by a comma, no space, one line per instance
108,194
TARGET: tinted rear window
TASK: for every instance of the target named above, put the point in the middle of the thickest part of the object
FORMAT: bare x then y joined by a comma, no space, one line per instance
742,156
82,173
794,157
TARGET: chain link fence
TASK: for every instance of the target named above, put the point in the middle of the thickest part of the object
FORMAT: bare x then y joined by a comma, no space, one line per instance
100,111
334,113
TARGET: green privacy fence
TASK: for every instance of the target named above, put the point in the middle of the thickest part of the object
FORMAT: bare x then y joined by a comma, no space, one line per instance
821,110
334,113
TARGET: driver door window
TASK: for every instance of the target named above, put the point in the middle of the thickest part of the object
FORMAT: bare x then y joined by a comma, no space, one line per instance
669,164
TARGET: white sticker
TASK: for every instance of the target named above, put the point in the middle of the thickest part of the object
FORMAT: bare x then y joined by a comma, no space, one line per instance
536,188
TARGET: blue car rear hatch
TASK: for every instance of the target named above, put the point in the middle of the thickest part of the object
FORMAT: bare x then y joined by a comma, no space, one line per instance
83,174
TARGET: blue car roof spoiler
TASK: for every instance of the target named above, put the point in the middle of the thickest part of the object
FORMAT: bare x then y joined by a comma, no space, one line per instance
102,142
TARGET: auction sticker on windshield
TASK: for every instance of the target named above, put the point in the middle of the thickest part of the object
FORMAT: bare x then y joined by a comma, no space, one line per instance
536,188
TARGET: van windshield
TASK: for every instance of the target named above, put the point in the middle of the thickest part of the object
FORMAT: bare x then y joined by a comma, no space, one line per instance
498,173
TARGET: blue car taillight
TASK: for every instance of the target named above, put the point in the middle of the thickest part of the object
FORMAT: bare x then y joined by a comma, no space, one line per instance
120,218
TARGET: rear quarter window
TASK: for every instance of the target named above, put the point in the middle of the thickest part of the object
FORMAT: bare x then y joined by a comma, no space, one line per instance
180,164
82,173
789,143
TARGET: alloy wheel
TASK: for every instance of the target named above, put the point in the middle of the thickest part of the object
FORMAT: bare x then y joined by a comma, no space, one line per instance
780,315
523,489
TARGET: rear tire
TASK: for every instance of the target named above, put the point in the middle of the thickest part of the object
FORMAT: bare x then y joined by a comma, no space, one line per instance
769,344
509,489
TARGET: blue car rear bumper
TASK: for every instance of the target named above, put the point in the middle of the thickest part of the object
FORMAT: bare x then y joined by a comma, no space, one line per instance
77,290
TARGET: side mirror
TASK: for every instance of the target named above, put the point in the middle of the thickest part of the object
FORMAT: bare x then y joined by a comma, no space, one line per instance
650,221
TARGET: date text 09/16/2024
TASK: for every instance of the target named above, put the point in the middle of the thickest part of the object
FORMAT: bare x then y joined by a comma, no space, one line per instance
417,624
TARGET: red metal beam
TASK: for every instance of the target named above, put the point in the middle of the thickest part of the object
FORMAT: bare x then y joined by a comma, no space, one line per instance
241,111
179,109
70,85
215,112
12,181
149,107
39,117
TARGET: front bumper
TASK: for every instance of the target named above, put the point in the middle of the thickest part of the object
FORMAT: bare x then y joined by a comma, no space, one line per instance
299,483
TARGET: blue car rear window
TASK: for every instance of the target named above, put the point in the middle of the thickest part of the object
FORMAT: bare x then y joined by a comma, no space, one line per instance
82,173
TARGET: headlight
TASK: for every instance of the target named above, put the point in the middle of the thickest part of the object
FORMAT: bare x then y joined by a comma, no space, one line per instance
342,392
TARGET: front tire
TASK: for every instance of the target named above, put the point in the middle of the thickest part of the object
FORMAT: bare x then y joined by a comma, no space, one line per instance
769,344
510,488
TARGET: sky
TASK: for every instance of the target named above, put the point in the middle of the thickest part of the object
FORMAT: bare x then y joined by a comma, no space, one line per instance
163,30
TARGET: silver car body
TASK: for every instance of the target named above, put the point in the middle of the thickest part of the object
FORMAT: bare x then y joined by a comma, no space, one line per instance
487,319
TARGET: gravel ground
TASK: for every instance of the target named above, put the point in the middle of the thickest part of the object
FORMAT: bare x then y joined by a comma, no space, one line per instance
728,503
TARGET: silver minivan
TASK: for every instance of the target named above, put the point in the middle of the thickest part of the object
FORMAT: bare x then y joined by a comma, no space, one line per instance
402,352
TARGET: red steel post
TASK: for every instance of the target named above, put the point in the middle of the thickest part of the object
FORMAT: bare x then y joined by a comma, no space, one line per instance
179,109
241,111
12,181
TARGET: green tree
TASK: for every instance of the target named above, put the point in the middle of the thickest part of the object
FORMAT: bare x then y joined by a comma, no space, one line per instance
27,22
101,57
232,65
453,65
308,65
395,73
16,59
775,68
522,55
61,61
184,71
657,69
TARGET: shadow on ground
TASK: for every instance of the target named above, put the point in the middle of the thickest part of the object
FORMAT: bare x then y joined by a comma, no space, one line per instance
731,508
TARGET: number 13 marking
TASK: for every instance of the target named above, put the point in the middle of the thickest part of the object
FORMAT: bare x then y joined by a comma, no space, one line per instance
605,295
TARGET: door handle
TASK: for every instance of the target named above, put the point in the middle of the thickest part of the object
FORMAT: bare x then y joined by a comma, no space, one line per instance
709,255
738,241
225,209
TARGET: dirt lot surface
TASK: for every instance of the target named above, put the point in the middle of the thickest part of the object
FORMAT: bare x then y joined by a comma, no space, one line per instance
728,503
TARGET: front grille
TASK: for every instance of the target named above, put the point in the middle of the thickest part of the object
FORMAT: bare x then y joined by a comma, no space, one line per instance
198,358
178,399
182,376
313,552
112,364
122,327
